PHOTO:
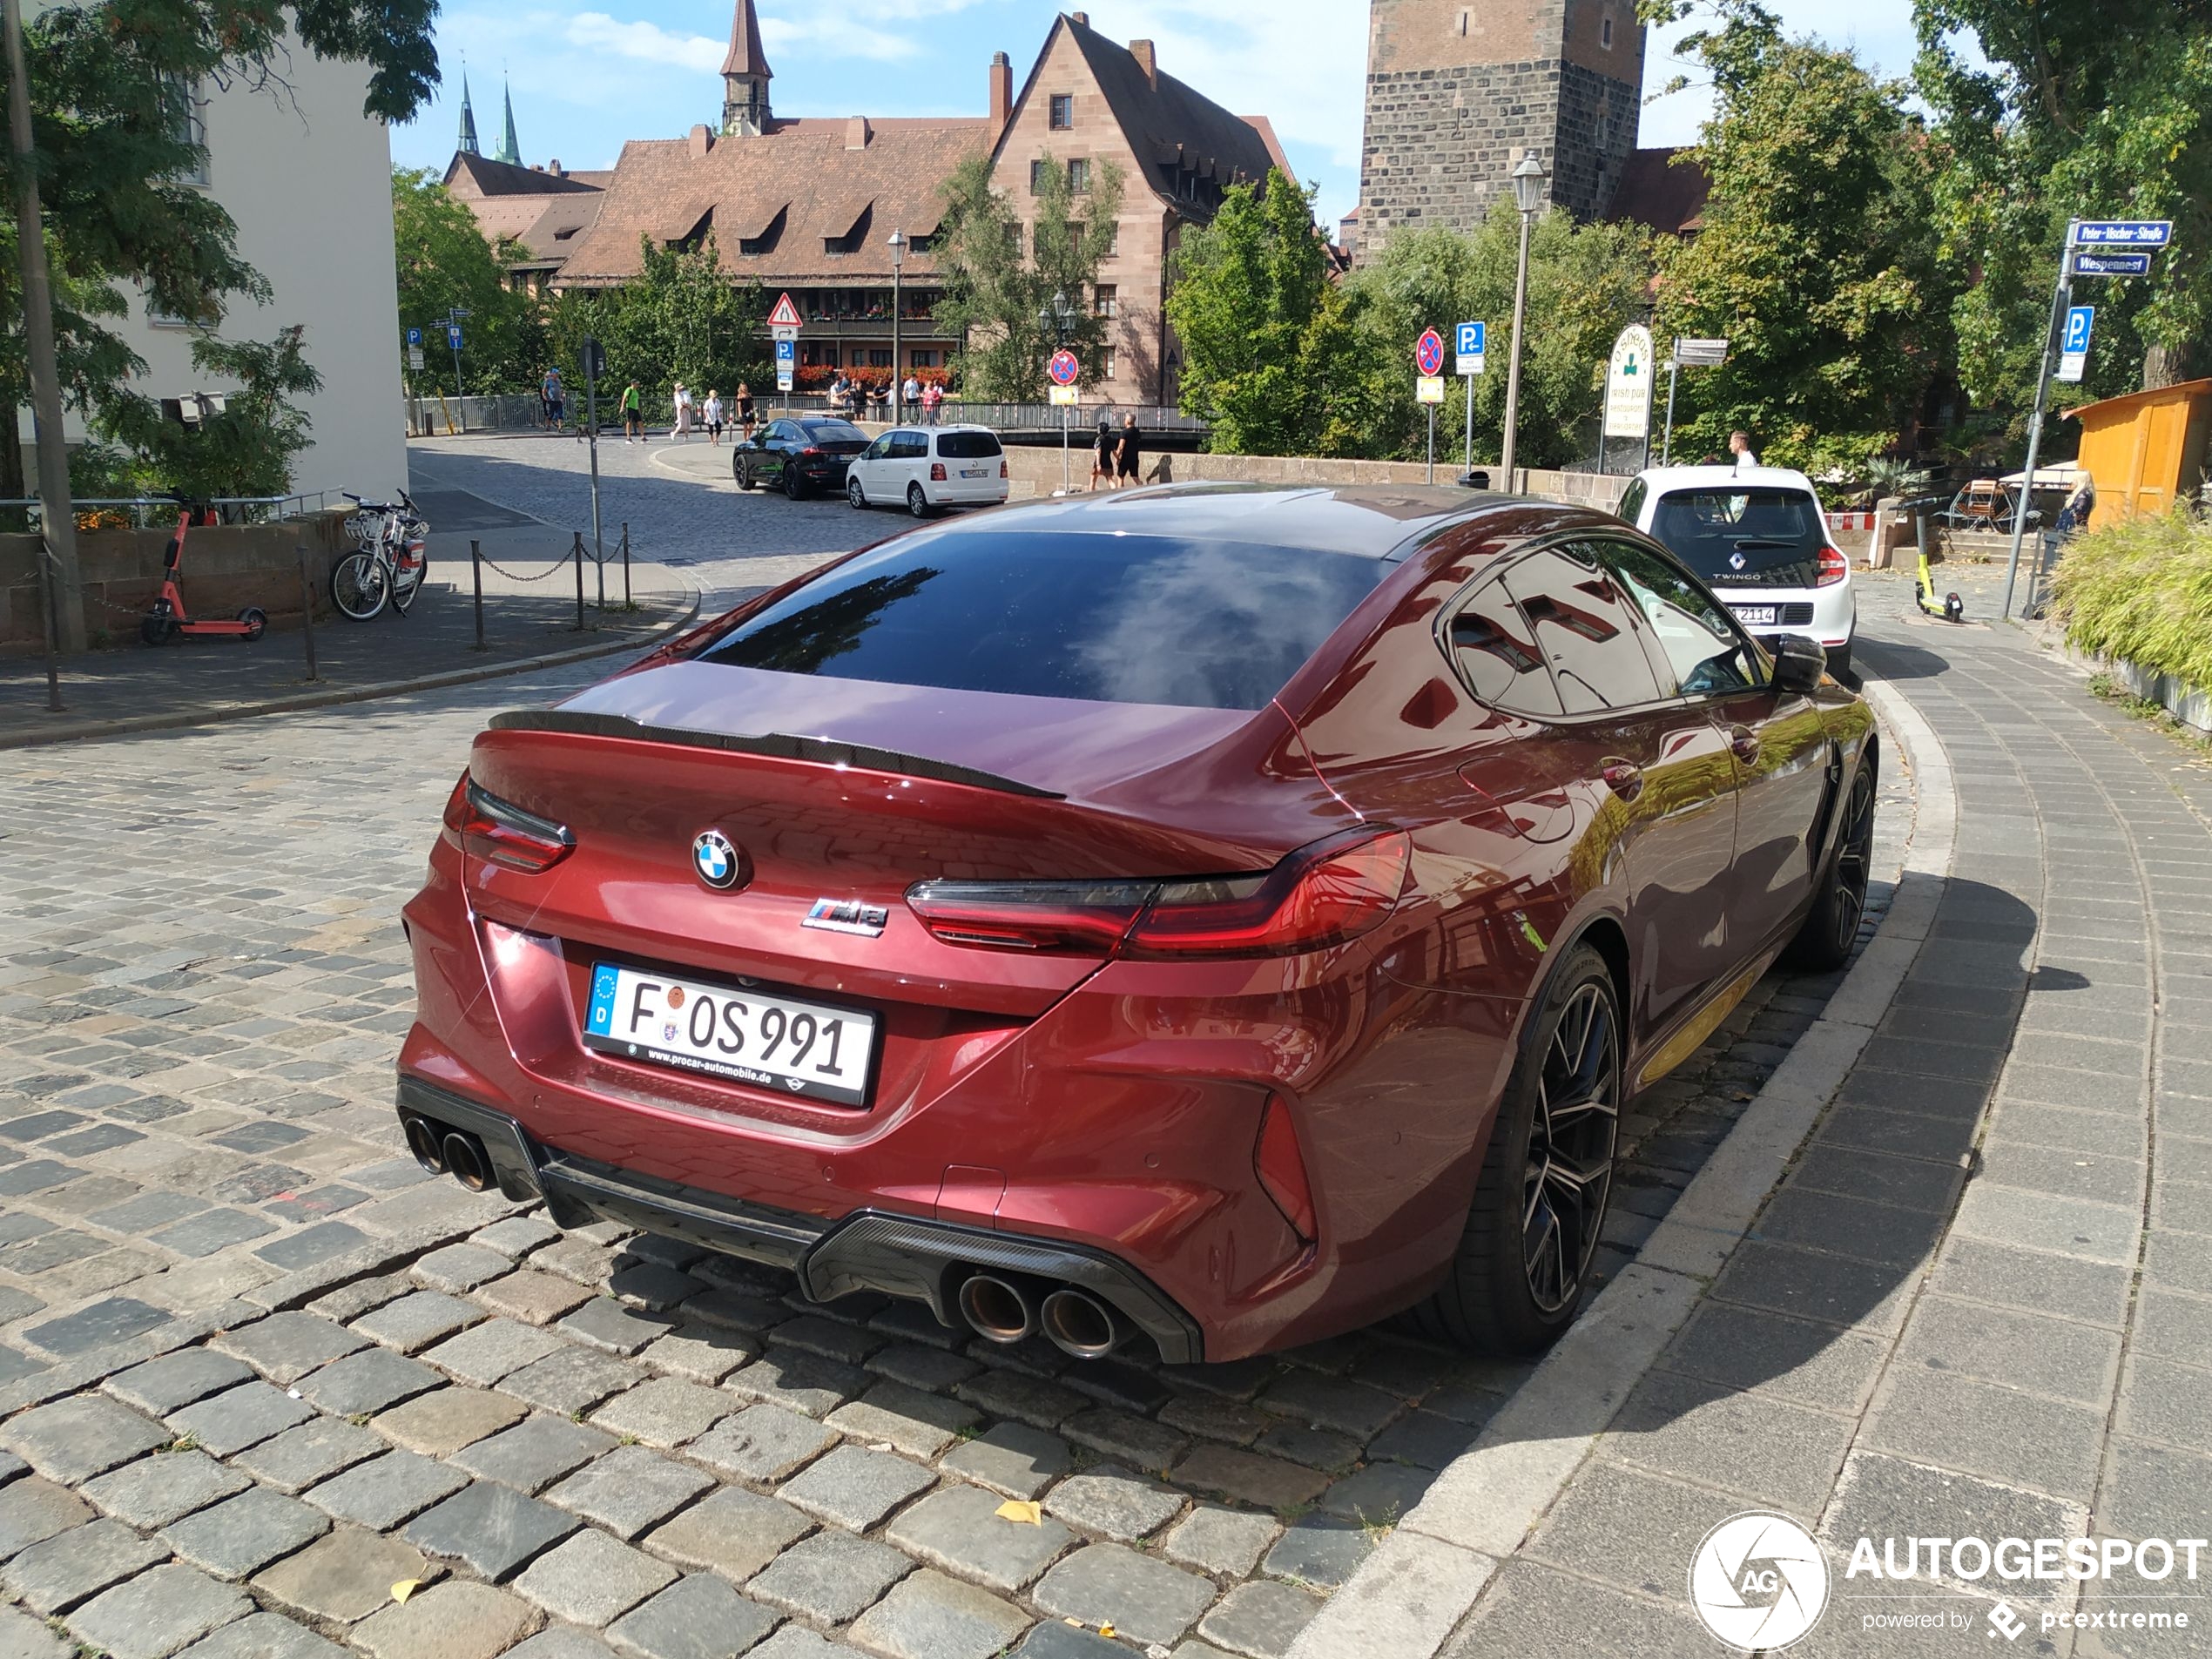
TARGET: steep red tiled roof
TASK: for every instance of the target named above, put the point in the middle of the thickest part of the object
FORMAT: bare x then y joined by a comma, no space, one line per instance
799,183
469,176
1171,126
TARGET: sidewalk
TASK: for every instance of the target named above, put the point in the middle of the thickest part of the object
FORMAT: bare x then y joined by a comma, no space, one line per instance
529,620
1978,1304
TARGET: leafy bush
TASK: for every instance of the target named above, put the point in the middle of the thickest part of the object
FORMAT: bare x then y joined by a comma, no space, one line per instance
2141,590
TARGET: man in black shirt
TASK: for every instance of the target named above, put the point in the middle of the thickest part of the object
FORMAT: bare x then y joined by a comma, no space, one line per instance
1130,457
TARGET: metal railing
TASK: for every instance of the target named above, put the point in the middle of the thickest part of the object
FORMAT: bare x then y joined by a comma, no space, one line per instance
146,511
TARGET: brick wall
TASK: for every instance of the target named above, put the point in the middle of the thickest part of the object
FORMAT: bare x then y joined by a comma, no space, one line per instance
227,567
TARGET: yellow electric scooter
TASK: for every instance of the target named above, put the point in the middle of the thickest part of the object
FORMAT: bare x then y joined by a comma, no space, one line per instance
1951,607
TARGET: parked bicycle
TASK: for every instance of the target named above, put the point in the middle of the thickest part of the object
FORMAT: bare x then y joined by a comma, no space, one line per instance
390,557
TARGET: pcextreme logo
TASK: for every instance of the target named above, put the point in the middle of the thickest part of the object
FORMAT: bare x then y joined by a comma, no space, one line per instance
1759,1581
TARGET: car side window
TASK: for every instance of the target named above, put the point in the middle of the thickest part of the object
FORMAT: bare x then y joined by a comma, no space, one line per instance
909,446
1631,501
778,432
1585,629
1699,647
877,450
1496,654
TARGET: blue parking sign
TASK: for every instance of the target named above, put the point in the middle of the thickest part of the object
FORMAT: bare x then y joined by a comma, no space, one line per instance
2079,321
1472,341
786,351
414,336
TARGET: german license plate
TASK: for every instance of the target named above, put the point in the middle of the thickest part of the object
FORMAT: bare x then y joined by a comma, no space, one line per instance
971,472
1755,615
773,1043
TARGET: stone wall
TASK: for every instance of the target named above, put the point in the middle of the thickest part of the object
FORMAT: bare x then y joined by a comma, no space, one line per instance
1035,471
226,568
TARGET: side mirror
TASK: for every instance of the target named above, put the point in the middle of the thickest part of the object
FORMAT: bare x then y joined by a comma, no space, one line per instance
1799,663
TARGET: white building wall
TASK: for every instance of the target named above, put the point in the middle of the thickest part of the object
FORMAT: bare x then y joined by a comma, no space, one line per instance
308,179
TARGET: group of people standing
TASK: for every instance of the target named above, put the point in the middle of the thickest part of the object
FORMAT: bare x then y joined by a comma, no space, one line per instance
707,413
1118,453
851,398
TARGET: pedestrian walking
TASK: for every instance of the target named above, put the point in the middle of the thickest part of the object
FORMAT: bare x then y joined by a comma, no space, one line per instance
549,393
710,412
1101,454
633,413
1129,457
932,396
1739,445
744,410
683,413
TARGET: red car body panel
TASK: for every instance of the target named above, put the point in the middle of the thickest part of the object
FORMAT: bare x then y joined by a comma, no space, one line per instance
1113,1104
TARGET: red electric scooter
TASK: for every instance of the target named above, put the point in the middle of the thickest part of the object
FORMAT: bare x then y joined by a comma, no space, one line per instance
169,617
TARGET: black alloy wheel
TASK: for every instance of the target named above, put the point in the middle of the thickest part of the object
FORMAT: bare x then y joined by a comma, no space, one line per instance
741,467
794,486
1830,929
1569,1172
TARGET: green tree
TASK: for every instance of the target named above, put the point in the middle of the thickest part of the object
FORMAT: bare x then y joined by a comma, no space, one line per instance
1586,283
681,318
110,90
1818,260
999,275
1268,337
445,263
246,450
2100,109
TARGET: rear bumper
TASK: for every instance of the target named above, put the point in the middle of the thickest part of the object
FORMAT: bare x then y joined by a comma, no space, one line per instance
1829,614
912,1257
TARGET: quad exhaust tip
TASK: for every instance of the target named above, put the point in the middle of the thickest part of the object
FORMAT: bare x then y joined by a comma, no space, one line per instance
464,1157
423,1141
999,1311
1078,1323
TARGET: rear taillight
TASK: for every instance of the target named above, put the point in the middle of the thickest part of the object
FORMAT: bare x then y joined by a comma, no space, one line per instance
936,472
1324,895
498,832
1281,1167
812,449
1834,567
1002,467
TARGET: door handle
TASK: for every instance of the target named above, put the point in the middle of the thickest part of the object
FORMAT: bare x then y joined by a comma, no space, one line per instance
1744,744
1623,777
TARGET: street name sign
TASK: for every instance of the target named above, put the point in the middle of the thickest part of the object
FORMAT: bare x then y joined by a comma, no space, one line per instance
1429,389
2123,232
1473,345
1428,353
1628,384
786,315
1064,368
2074,344
1700,354
2111,264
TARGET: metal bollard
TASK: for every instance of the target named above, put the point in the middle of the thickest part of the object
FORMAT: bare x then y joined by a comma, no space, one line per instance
626,603
579,581
307,613
476,569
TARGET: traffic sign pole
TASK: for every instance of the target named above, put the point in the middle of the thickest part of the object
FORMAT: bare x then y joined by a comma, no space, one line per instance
1666,432
2052,324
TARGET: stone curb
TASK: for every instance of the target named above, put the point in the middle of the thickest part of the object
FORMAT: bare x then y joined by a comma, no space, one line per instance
90,730
1410,1594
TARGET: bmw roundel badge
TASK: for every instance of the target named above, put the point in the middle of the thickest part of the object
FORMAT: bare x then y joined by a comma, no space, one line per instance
717,861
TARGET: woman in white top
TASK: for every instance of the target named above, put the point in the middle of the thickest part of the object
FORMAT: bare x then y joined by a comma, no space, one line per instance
710,412
683,410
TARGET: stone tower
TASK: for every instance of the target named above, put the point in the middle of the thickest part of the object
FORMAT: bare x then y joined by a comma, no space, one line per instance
745,76
1457,89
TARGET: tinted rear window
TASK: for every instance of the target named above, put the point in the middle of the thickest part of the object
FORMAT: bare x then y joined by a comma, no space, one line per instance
1105,618
966,446
833,432
1743,536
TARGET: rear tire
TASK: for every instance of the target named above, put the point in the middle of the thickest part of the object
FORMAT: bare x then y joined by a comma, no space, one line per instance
741,469
1840,661
256,621
1524,1262
1831,927
794,486
358,587
917,501
157,631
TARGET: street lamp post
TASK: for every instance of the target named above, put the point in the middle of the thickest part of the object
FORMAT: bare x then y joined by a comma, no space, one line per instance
1528,194
898,380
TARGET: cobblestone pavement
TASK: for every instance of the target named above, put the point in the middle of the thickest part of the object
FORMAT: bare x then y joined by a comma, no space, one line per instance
262,1370
1979,1305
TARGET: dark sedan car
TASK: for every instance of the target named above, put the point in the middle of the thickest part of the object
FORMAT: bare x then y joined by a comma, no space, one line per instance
807,454
1218,916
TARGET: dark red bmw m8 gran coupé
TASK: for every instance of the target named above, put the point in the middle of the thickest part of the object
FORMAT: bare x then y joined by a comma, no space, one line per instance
1212,917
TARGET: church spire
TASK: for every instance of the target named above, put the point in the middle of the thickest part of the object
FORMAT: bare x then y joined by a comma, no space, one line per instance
745,75
508,151
467,120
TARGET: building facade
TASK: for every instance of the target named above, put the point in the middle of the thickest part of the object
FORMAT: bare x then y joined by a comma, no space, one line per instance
1456,92
808,207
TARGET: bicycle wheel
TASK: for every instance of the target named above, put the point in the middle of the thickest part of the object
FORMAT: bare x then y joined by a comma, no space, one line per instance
406,585
358,586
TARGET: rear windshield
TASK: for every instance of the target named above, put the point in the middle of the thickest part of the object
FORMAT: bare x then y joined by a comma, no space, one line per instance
1103,618
833,432
966,446
1743,536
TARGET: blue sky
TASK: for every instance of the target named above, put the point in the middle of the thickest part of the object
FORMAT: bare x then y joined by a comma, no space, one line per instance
586,77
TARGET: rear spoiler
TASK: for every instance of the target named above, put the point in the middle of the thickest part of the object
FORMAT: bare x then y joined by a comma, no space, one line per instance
774,745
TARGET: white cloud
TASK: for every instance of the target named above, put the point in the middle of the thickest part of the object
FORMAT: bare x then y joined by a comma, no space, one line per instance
842,36
648,43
